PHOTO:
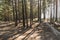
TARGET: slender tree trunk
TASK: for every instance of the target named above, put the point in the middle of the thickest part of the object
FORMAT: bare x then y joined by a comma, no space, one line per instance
44,8
26,12
56,9
19,12
23,13
40,11
13,10
51,13
53,10
31,12
16,13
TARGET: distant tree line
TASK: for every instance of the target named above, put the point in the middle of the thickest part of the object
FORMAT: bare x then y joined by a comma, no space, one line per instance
25,10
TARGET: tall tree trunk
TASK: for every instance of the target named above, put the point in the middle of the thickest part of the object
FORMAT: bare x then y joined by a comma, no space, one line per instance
56,9
23,13
44,8
13,10
40,11
31,12
53,10
16,13
51,13
19,11
26,12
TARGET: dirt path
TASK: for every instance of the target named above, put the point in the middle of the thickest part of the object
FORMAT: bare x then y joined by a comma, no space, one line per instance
11,32
38,32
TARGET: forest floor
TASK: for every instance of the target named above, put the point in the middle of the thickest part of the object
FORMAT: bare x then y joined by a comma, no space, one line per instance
38,32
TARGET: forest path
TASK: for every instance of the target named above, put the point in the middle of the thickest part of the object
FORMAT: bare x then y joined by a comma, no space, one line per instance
38,32
42,32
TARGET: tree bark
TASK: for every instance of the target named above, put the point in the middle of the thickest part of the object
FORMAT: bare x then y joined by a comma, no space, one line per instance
56,10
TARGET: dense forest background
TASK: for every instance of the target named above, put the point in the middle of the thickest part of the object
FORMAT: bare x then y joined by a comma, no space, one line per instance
9,9
29,19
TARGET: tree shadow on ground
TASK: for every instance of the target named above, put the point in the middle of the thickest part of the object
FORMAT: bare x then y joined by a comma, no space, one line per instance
10,33
28,35
46,34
